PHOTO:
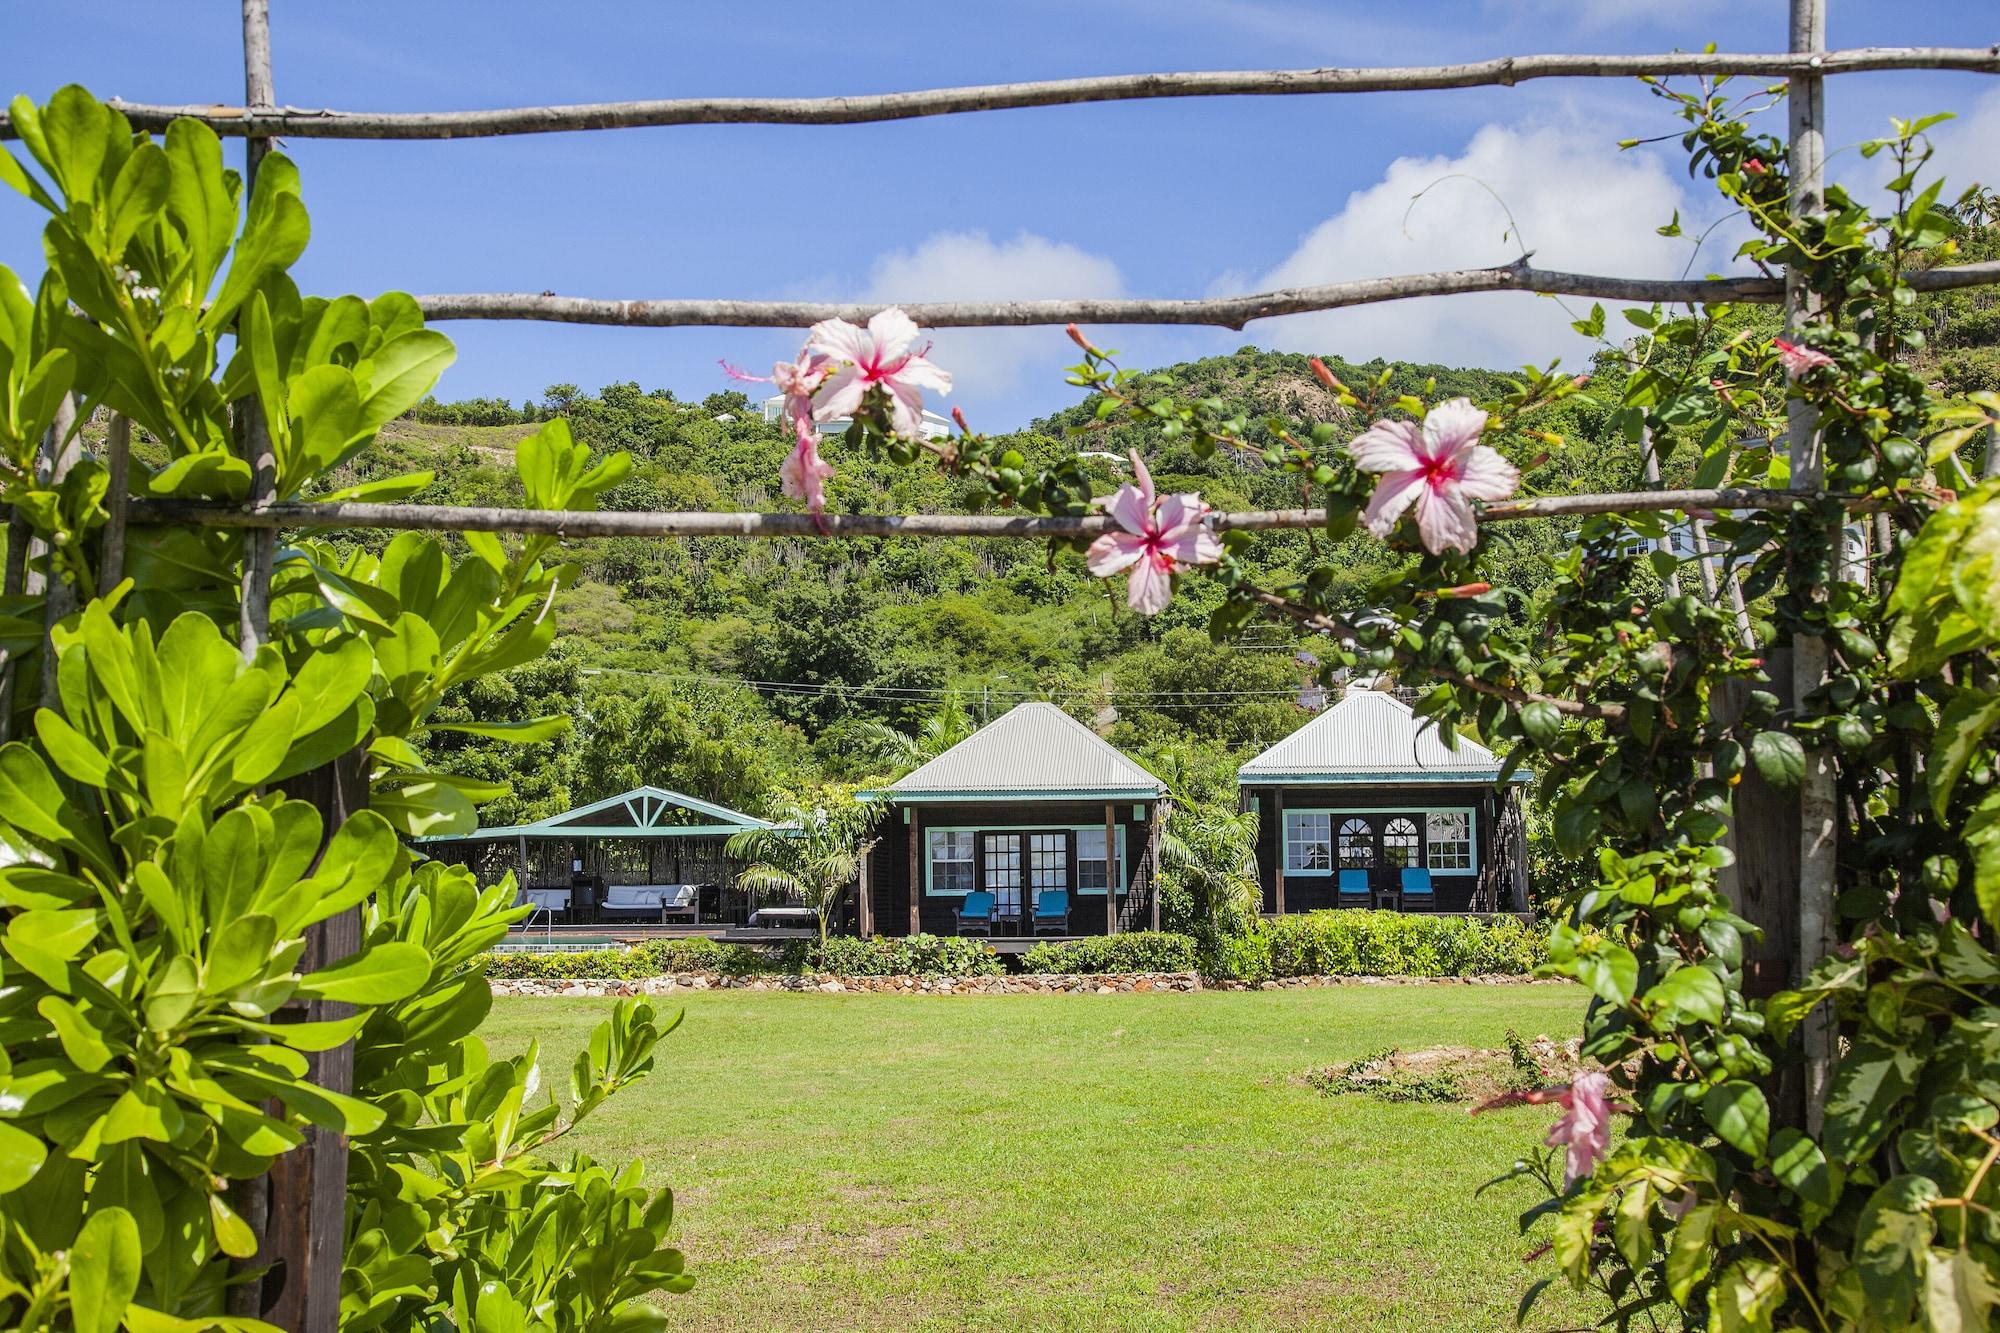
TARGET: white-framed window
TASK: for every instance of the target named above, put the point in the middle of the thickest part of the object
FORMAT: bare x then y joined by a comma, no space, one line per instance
1308,841
1401,844
1448,839
951,861
1090,860
1357,844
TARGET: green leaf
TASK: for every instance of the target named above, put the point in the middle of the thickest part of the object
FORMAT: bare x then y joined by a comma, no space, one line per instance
241,953
531,729
1738,1112
1611,971
1780,759
138,194
401,372
233,1235
1690,1251
73,754
21,1155
426,809
103,1271
1798,1162
1867,1098
81,1042
381,975
1974,570
1961,1291
1746,1297
1962,727
1542,722
1689,994
1892,1242
45,940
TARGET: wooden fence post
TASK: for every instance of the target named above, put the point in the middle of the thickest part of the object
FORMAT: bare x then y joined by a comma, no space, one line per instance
1110,869
1818,793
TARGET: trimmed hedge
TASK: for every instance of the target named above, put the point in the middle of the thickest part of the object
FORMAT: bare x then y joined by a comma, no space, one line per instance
1141,951
1354,943
923,955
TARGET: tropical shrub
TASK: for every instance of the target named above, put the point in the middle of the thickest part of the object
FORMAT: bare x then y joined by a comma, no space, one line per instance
1138,951
1357,943
918,955
651,958
162,887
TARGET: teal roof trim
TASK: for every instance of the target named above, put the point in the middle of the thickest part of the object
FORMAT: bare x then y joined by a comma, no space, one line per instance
975,795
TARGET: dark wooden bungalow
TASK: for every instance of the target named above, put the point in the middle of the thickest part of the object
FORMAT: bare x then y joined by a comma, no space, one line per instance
582,863
1367,785
1023,807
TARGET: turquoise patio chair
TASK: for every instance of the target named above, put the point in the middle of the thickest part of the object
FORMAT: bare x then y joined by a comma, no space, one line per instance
975,914
1417,892
1354,888
1052,912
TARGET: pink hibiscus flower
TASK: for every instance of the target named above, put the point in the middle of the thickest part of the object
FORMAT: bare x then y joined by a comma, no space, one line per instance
1798,358
804,473
1585,1125
1441,467
886,354
1160,535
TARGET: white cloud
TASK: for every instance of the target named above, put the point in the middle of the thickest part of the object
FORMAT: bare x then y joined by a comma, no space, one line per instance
1579,204
1968,147
986,364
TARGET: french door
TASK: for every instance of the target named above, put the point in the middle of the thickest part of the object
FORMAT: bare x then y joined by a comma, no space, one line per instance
1016,867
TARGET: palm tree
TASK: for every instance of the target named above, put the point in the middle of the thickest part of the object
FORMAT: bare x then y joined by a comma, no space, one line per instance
1213,850
944,728
814,853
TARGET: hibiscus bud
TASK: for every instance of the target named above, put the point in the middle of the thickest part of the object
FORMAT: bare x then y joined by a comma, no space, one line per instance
1580,381
1755,167
958,415
1536,461
1076,336
1325,376
1465,590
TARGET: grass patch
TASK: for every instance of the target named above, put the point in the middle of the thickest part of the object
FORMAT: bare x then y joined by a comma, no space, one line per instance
1143,1161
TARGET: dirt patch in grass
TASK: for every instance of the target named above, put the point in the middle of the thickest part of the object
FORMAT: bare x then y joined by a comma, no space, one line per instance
1469,1074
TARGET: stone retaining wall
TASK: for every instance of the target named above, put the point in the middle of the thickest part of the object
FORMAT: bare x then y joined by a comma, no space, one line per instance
1025,984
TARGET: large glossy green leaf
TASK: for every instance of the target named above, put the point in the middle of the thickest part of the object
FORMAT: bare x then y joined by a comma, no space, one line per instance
138,195
379,975
401,372
1738,1112
103,1271
1892,1242
1689,994
1867,1097
21,1155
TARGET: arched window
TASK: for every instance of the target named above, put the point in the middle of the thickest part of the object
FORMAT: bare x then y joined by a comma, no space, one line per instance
1400,842
1357,844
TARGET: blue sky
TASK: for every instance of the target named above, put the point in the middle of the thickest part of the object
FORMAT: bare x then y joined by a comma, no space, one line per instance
1160,198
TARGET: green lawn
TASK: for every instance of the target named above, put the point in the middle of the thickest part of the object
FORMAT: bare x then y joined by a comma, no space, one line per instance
1127,1161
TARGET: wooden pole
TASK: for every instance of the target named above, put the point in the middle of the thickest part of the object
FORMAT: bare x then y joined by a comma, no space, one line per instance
1153,819
1278,861
916,867
1110,869
62,448
864,914
260,548
1227,312
1500,71
1818,794
117,499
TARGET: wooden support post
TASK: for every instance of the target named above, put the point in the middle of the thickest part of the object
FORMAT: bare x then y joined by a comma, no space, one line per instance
1153,819
916,867
1278,858
1110,869
254,434
61,450
117,500
864,914
1818,794
308,1186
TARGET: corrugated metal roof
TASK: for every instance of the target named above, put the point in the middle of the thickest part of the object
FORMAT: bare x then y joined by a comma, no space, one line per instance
1034,750
1370,736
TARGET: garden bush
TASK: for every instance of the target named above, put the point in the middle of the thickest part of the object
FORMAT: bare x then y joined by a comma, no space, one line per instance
651,959
1141,951
922,955
919,955
1350,943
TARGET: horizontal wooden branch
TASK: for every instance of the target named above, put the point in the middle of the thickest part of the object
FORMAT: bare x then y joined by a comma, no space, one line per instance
622,523
1230,312
1502,71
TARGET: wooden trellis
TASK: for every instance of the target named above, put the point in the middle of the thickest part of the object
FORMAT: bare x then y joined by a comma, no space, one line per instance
303,1231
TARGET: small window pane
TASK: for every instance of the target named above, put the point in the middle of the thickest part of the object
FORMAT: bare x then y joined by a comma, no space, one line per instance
1400,843
1357,844
1090,859
951,861
1448,834
1308,840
